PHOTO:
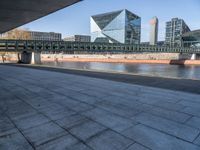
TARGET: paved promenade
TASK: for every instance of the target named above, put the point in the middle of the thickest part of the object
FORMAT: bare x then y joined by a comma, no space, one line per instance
49,110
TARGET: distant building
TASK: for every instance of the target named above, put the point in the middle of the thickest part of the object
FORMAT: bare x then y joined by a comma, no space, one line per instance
144,43
174,31
31,35
117,27
153,31
159,43
46,36
101,40
191,39
78,38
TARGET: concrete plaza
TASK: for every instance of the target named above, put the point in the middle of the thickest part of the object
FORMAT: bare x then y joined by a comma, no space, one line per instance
49,110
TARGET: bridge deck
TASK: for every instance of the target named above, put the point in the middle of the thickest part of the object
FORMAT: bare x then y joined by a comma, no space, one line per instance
91,47
50,110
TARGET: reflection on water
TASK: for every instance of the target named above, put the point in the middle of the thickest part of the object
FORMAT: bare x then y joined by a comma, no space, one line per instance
180,71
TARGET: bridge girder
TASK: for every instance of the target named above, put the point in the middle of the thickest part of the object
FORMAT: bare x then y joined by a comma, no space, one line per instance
58,46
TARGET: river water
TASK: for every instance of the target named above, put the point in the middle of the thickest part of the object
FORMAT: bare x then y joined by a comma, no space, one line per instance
170,71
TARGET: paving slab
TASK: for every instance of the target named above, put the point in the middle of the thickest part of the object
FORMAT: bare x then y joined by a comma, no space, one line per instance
55,112
61,143
6,127
191,111
86,130
108,119
197,141
71,121
79,146
137,146
190,103
109,140
43,133
120,109
157,140
194,122
169,114
30,121
169,127
14,141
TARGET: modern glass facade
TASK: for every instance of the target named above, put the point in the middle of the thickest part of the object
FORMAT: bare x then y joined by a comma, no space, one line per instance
117,27
191,39
174,31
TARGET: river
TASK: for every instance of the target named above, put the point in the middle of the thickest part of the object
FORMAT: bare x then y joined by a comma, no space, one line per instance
170,71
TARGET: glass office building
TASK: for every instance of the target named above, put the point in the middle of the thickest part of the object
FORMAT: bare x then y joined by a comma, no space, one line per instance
174,31
116,27
191,39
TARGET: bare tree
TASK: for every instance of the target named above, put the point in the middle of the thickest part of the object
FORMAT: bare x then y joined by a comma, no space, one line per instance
17,34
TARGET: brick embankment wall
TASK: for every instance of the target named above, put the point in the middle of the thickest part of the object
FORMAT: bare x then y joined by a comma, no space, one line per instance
148,58
9,57
140,56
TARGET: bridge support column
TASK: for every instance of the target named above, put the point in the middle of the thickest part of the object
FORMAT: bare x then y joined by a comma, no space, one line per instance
30,57
36,58
194,56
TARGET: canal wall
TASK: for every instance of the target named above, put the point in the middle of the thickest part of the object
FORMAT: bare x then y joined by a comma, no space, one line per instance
149,58
8,57
138,56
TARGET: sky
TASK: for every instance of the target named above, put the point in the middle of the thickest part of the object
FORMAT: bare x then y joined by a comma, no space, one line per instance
75,19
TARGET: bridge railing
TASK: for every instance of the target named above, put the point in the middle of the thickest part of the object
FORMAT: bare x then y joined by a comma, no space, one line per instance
31,45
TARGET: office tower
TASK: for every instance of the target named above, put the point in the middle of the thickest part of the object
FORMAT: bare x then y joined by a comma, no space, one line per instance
174,31
153,31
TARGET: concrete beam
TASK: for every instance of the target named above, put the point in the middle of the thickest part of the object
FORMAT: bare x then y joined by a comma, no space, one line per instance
16,13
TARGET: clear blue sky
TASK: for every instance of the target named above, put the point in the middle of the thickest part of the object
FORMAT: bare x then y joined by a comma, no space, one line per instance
76,18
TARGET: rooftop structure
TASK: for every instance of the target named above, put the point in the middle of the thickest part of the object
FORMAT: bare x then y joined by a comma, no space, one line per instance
118,27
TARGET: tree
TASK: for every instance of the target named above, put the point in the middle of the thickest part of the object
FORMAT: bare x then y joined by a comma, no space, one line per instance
15,34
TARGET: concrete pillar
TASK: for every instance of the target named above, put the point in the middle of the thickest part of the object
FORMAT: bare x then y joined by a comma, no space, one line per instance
36,58
194,56
25,57
30,57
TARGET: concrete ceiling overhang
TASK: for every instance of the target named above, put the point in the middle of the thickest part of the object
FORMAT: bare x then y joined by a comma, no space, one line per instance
14,13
